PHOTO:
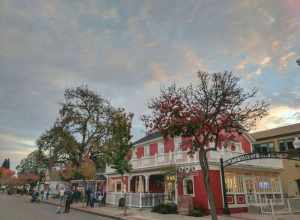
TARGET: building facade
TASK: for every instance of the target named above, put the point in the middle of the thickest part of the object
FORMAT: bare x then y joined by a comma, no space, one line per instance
282,139
164,171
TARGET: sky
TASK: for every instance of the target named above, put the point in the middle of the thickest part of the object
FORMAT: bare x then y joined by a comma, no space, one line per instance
127,50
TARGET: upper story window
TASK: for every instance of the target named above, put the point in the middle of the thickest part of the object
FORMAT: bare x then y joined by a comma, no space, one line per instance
177,143
264,147
160,148
286,145
146,150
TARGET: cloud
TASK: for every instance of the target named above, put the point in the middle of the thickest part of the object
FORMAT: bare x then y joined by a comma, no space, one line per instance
17,139
241,65
284,59
258,71
266,61
279,116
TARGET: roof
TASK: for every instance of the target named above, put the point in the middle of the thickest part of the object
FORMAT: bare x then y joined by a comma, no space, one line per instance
277,132
148,137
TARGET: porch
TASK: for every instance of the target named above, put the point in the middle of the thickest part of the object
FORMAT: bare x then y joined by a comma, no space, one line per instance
142,191
136,200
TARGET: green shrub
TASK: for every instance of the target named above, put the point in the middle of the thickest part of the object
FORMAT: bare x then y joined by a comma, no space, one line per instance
167,208
197,212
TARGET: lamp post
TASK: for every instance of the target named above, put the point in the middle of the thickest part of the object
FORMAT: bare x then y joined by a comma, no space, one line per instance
297,143
226,208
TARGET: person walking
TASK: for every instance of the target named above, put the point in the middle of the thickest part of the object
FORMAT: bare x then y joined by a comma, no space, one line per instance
61,200
88,197
69,199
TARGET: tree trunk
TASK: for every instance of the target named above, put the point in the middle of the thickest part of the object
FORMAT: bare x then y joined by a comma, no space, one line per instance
125,195
205,170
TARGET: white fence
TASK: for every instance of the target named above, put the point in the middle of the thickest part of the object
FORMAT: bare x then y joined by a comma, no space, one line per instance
138,200
281,206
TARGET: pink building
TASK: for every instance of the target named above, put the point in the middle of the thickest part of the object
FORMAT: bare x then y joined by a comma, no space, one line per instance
151,182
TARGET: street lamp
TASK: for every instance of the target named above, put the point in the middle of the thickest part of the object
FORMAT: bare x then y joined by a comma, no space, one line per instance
297,143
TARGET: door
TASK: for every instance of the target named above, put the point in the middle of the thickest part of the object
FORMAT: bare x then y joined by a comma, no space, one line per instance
249,185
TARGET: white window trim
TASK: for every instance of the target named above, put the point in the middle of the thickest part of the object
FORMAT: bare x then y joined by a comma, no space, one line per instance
184,186
160,146
116,183
146,150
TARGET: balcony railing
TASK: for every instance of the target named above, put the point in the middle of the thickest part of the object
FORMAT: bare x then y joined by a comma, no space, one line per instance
183,158
171,158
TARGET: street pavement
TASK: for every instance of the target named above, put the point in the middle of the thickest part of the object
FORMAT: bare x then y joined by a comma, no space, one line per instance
20,208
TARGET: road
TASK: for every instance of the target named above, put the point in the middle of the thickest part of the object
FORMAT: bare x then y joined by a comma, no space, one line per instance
19,208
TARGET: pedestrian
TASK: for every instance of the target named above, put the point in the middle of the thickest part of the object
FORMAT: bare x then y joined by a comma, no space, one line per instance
69,200
47,194
61,200
88,197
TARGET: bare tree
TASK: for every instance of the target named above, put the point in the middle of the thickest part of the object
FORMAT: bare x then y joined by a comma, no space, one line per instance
212,112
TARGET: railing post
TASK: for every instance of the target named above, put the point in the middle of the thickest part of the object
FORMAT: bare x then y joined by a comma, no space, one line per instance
140,200
289,206
153,202
272,208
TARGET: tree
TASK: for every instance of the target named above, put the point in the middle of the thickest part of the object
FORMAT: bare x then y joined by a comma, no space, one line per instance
87,117
120,144
33,167
81,130
213,112
59,146
6,163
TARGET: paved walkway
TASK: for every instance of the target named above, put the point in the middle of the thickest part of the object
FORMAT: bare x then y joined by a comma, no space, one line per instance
146,214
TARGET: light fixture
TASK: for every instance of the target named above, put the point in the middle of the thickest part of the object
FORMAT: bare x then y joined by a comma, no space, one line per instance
296,143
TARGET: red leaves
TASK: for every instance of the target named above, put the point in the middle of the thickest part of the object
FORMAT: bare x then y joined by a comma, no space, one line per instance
6,172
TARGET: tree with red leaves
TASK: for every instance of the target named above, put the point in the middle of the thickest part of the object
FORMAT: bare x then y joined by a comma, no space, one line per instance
212,113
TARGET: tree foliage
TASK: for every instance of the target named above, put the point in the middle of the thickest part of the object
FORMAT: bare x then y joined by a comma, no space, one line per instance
88,133
120,144
212,112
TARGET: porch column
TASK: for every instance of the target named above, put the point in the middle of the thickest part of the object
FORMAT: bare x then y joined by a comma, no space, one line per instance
129,183
146,183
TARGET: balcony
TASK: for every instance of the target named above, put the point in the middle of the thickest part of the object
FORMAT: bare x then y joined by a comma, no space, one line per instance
183,158
165,159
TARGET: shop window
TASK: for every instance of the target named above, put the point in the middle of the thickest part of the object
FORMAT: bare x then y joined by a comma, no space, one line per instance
286,145
234,184
188,186
264,147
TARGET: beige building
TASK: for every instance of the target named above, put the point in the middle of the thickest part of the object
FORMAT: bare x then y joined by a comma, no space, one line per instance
282,139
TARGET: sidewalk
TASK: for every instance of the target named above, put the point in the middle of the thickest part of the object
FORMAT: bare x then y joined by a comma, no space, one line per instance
146,214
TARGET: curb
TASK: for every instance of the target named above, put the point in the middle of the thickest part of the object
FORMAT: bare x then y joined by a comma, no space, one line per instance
87,211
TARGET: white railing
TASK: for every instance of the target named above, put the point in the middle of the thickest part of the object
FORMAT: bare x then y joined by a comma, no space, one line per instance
182,157
178,157
281,206
137,200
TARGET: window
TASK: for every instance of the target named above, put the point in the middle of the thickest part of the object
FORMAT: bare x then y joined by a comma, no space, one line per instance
146,150
177,142
264,147
286,145
118,187
188,186
161,148
234,184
